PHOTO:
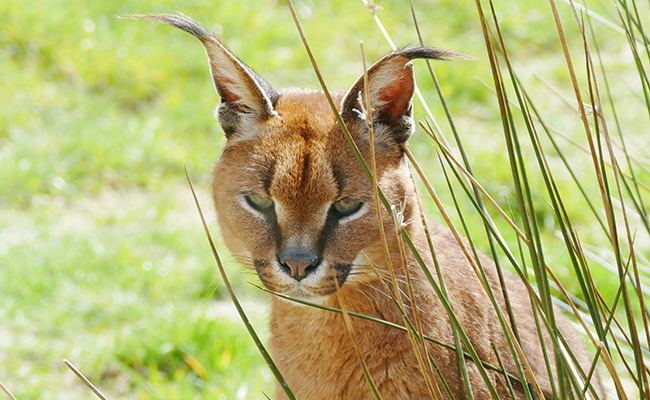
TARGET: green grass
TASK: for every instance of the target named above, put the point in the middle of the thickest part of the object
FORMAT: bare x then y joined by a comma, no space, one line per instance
102,257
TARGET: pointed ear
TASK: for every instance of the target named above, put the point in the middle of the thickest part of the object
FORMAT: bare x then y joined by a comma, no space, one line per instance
391,84
245,97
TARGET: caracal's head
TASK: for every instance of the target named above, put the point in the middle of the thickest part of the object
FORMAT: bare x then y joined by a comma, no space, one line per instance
291,196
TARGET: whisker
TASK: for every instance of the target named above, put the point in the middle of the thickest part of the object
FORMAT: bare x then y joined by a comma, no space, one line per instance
366,295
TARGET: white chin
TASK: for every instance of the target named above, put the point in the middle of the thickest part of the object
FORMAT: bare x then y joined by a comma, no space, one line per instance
300,293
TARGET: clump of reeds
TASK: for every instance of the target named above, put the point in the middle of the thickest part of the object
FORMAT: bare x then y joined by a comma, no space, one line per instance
616,326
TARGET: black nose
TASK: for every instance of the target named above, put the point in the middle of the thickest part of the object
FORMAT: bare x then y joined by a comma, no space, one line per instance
298,264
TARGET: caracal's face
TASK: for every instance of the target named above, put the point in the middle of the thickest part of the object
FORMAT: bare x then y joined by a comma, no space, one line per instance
291,197
293,201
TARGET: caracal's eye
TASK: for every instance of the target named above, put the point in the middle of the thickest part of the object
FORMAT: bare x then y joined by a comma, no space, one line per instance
260,203
347,206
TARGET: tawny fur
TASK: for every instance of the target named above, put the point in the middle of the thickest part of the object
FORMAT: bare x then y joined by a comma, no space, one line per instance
296,156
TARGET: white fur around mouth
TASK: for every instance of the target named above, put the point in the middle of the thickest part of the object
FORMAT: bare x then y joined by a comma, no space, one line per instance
301,294
360,259
300,289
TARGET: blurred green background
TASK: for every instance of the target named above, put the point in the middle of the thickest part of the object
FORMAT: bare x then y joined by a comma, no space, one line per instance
102,257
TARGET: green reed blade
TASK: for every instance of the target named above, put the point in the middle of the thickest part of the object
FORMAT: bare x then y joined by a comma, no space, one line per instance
233,297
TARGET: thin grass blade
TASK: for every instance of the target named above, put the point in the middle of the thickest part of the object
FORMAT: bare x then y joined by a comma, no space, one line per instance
240,310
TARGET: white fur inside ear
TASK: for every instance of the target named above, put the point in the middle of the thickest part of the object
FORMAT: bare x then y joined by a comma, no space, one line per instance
361,114
247,126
